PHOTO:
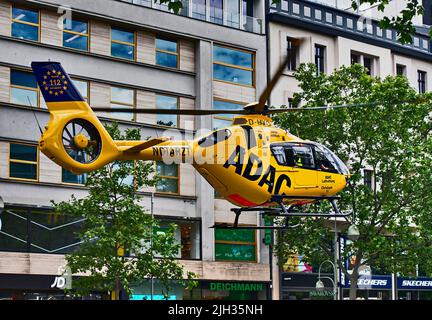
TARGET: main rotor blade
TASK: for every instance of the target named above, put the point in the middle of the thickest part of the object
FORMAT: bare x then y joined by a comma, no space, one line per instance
353,105
191,112
259,108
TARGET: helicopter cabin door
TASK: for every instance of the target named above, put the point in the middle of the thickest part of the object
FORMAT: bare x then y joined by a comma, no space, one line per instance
297,160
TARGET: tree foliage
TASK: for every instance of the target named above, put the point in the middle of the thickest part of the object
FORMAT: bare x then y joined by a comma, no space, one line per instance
120,240
393,140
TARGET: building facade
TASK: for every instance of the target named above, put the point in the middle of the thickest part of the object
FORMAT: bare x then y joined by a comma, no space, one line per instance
129,54
331,34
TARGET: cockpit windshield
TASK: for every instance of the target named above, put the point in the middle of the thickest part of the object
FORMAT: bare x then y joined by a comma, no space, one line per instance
308,156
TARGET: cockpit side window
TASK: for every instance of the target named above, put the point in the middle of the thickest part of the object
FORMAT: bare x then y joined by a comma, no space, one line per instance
303,156
279,154
214,138
324,160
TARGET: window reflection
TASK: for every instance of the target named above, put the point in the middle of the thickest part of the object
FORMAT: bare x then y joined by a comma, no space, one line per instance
125,99
169,177
199,9
166,53
167,102
122,44
23,161
69,177
220,121
75,35
25,24
216,11
24,89
232,65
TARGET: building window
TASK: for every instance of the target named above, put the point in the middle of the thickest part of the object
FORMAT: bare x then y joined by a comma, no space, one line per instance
69,177
167,102
292,53
221,121
25,24
125,99
355,58
233,66
76,35
24,88
122,44
166,53
320,58
400,70
187,234
199,9
216,11
83,88
169,177
233,14
421,81
23,161
367,178
368,64
235,245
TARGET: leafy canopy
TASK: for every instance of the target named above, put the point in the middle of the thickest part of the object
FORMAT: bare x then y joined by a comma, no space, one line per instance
393,141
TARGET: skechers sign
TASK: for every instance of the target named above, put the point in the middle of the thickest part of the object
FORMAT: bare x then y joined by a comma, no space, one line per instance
384,282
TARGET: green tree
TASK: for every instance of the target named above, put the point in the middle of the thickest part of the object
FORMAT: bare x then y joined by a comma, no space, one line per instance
120,240
393,141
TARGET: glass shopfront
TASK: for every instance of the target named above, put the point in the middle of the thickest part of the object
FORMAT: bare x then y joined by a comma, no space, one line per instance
37,287
206,290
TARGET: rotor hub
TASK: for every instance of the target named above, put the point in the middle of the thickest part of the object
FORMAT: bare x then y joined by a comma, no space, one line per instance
80,141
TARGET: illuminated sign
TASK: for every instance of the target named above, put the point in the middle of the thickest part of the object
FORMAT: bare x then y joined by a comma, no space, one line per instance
236,286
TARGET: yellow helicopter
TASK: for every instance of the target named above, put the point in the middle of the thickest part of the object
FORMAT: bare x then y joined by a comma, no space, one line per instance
251,163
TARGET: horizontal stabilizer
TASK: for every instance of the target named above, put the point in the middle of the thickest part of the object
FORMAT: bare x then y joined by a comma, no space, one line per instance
145,145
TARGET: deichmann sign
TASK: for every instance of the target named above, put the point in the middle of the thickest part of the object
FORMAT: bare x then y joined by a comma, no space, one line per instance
236,286
384,282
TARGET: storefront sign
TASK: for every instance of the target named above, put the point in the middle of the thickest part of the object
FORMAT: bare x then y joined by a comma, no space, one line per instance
318,293
220,286
384,282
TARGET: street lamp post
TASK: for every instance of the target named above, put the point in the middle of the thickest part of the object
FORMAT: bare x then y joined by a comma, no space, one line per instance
320,284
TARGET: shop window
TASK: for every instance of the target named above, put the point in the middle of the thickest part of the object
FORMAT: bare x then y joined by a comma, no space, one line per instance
125,99
76,34
167,102
49,232
221,121
235,245
234,66
69,177
24,88
25,24
122,44
169,177
166,53
23,161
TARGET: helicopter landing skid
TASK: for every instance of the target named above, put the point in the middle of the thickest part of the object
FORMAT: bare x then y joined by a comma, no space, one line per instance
285,211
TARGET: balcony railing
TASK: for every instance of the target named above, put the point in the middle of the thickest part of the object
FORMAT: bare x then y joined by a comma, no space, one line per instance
210,14
328,16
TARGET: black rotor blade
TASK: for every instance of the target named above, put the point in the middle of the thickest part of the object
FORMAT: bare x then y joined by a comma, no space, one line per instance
353,105
191,112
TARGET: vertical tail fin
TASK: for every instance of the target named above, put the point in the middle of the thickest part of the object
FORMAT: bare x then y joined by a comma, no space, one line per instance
54,83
